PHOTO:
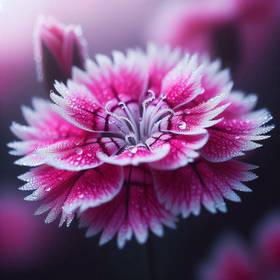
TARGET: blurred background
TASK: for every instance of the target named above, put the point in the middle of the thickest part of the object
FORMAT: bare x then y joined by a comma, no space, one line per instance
244,33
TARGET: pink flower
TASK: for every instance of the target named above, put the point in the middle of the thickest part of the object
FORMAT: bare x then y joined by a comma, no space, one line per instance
234,260
135,140
238,31
57,48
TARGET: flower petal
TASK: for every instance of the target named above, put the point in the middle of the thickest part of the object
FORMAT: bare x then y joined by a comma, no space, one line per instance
78,106
183,150
136,155
185,189
183,83
240,104
77,154
134,210
45,127
194,121
65,192
160,62
231,137
94,187
123,79
214,80
57,48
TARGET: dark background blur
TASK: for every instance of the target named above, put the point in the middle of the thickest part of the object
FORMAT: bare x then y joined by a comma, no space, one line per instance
29,249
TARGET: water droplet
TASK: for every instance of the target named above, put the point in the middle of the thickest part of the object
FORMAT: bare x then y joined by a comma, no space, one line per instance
202,90
79,151
48,189
121,104
81,195
134,150
182,125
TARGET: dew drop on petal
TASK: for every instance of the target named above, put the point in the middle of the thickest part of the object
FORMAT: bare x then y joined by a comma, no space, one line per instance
79,151
201,91
182,125
133,150
122,105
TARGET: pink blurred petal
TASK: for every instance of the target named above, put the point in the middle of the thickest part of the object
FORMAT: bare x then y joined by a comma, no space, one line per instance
24,241
231,261
234,260
268,245
58,48
238,31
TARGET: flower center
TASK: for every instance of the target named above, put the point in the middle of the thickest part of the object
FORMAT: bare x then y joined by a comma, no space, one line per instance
137,123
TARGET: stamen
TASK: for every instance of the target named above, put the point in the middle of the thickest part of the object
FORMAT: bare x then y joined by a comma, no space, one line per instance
158,118
122,119
154,111
159,115
111,134
150,98
145,119
162,98
130,138
131,118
